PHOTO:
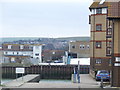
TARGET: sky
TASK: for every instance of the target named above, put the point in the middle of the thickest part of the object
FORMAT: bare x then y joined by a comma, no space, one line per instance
44,18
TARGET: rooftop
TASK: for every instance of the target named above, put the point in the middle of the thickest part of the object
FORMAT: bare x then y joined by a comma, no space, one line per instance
112,5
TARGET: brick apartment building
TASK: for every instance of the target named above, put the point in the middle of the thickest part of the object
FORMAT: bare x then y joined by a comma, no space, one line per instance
105,38
18,52
81,48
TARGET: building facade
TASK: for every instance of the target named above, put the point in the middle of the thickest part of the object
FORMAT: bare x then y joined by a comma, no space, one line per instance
18,52
81,48
1,55
105,38
52,55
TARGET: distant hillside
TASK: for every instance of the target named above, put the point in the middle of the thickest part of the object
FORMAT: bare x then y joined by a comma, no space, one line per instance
18,38
75,38
11,39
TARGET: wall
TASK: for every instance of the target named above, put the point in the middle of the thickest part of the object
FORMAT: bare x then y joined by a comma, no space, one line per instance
46,71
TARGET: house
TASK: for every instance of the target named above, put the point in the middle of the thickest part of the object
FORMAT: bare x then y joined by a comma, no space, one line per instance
18,53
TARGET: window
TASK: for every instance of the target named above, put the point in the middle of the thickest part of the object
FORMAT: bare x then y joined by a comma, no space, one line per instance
99,11
98,44
73,46
82,46
37,54
109,51
98,61
37,57
110,61
98,27
88,46
102,1
109,31
9,46
109,44
5,53
21,47
30,47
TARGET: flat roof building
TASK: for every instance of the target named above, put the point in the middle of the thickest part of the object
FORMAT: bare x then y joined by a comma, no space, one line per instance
81,48
19,52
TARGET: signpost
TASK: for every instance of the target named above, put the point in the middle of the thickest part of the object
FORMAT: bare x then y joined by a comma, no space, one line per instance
20,71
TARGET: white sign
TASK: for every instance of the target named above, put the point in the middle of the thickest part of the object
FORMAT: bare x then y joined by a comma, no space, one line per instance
117,59
20,70
117,64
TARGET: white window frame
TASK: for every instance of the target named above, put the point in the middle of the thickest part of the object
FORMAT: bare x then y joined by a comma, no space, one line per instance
88,46
81,46
98,61
9,46
21,46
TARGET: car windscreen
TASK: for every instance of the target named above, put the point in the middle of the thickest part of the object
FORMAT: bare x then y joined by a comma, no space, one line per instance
104,72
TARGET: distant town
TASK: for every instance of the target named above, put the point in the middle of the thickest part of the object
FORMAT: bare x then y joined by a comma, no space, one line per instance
52,48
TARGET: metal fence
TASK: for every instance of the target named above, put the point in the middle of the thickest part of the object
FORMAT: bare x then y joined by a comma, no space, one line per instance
45,71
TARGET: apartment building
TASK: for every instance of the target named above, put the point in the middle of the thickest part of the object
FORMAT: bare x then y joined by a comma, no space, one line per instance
52,55
81,48
19,52
105,38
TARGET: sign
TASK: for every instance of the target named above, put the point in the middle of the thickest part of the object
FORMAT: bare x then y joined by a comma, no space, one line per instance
20,70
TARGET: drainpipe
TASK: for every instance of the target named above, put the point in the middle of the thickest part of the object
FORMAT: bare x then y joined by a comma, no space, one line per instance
93,41
112,55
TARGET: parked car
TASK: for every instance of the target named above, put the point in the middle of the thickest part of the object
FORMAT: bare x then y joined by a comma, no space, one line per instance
58,61
49,61
103,74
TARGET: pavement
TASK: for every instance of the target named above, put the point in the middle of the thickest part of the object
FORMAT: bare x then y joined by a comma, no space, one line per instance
20,81
86,82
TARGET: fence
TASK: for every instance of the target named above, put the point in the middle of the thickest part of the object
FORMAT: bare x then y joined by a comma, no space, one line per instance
46,71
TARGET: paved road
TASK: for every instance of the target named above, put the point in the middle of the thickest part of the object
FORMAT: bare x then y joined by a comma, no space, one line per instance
86,82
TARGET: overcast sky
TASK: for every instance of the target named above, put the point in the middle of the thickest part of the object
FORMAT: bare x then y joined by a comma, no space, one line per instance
44,18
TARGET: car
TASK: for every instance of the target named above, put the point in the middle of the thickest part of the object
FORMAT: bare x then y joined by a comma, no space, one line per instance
48,61
103,74
58,61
